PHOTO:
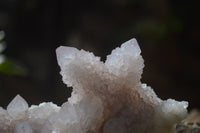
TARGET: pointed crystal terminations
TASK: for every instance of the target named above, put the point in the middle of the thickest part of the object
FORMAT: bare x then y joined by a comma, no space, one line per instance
17,108
125,104
107,98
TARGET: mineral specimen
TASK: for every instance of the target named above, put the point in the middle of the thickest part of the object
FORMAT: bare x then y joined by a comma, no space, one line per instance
107,98
191,124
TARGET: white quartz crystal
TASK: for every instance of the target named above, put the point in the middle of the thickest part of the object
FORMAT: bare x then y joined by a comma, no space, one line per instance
37,115
17,108
23,127
107,98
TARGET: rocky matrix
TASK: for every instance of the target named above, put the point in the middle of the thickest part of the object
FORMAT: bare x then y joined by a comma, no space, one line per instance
107,98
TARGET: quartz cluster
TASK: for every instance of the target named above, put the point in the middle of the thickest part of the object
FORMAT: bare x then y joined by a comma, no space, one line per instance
107,98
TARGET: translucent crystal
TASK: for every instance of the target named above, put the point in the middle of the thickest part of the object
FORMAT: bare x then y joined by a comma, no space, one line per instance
17,108
23,127
126,62
38,114
4,120
126,105
107,98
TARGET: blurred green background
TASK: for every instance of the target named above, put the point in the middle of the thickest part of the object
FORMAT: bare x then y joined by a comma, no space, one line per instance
167,31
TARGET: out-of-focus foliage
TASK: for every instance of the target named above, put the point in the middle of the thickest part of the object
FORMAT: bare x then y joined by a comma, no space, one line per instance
2,44
157,30
9,66
2,47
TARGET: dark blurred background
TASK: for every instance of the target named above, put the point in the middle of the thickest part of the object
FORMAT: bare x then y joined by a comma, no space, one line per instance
167,30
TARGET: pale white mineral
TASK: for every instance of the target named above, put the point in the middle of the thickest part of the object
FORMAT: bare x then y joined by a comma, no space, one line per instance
107,98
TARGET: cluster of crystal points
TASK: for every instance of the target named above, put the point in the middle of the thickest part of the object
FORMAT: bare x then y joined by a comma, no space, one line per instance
107,98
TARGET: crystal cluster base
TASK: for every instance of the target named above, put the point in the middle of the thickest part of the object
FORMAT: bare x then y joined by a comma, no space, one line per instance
107,98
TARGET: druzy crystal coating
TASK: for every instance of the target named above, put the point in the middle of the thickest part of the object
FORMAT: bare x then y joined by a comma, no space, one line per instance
107,97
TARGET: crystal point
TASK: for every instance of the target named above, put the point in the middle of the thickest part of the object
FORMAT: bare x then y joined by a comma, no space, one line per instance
17,108
106,98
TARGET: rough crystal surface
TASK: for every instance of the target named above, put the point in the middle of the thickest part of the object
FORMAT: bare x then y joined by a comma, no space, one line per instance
23,127
107,98
38,114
